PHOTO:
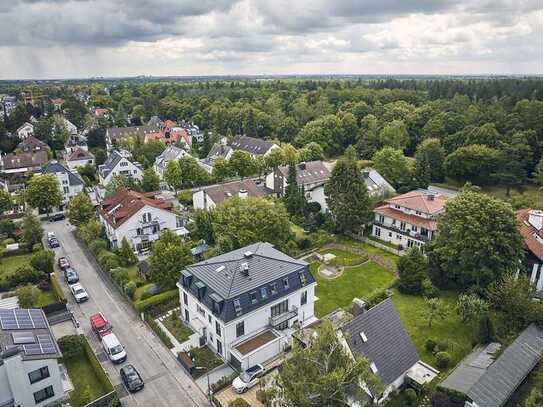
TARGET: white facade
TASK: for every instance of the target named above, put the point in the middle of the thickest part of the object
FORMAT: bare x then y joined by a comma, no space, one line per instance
201,200
123,167
169,154
25,131
399,233
15,382
73,164
68,190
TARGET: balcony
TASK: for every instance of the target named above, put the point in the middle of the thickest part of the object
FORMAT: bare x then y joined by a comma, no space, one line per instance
407,232
285,316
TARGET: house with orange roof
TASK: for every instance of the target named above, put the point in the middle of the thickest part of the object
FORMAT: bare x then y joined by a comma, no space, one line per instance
409,219
140,217
531,229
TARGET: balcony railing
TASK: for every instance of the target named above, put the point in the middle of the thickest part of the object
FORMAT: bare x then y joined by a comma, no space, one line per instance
285,316
407,232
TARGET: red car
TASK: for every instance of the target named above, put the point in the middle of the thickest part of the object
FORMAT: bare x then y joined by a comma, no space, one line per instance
63,263
100,325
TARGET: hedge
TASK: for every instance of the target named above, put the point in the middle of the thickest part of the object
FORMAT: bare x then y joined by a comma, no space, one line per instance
158,331
166,296
98,370
56,288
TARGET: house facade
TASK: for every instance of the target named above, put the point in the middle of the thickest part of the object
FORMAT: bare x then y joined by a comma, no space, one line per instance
171,153
311,176
254,146
209,197
531,229
408,220
245,303
79,157
26,130
70,182
119,163
139,217
29,354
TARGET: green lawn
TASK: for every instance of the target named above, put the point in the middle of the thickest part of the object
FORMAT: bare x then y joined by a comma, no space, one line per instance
84,380
297,230
141,290
12,263
46,298
133,272
354,282
343,258
177,328
392,258
452,330
206,358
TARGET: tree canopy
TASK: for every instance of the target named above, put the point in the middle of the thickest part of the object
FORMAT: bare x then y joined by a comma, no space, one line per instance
43,192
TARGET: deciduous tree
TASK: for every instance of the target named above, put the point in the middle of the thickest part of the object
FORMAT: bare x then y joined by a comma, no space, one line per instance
168,256
32,229
43,192
150,181
80,209
413,270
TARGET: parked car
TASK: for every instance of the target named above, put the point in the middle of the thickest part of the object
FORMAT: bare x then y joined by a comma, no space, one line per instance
131,378
113,348
79,293
70,275
63,263
248,378
100,325
52,241
56,217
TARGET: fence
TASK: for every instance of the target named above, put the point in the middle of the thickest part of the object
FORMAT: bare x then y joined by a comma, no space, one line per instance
377,244
104,401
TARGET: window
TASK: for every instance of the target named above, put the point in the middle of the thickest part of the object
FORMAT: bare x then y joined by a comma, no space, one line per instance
414,228
240,329
418,213
402,225
381,219
397,206
264,292
286,284
147,217
201,310
44,394
254,300
64,182
219,347
302,278
377,232
209,318
217,328
39,374
237,307
185,299
273,288
66,189
123,164
389,234
304,298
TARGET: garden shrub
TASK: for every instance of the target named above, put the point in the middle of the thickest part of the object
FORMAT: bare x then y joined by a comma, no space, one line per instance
24,275
162,298
185,198
98,370
429,290
377,296
97,246
71,346
223,382
44,285
108,260
159,331
130,289
43,261
430,345
442,346
7,241
56,288
442,360
239,402
28,296
304,243
411,397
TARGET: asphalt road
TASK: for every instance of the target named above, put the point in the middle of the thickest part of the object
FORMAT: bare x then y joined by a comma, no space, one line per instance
166,384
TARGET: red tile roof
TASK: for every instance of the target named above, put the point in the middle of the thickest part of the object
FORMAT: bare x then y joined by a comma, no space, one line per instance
419,201
529,233
79,154
125,203
100,112
429,224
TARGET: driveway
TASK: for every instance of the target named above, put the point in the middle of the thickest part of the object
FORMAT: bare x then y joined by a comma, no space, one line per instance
166,384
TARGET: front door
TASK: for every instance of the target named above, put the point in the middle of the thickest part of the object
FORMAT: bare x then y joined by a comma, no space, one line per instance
187,315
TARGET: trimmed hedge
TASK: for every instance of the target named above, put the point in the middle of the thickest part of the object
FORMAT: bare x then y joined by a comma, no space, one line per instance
144,305
100,374
56,288
158,331
223,382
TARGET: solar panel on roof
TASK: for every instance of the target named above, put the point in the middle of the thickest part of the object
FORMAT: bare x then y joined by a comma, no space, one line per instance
44,346
22,319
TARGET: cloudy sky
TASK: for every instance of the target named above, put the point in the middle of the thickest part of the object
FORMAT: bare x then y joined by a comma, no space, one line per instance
82,38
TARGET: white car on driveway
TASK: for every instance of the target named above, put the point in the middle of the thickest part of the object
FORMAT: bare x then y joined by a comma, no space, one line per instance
79,293
248,378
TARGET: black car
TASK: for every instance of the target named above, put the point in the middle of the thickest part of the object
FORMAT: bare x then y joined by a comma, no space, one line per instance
131,378
57,216
53,242
71,276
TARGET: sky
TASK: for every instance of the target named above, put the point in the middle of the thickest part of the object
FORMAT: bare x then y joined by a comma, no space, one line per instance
85,38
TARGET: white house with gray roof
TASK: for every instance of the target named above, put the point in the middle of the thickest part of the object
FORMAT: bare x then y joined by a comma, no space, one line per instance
171,153
29,354
244,303
119,162
70,182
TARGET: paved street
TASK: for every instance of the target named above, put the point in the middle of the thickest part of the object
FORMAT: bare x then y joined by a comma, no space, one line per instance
166,384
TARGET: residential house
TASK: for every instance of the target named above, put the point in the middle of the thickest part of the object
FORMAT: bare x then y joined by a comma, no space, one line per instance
244,304
376,184
119,163
57,104
169,133
70,182
193,131
138,217
409,219
31,144
487,381
21,163
114,134
252,145
379,336
25,130
209,197
74,142
29,356
171,153
218,150
101,112
7,104
72,128
531,228
311,176
79,157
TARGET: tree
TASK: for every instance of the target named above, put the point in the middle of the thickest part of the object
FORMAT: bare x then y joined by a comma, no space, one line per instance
368,142
32,229
172,174
192,174
275,158
330,373
513,297
475,163
393,165
290,153
241,163
221,170
43,192
294,196
240,222
311,152
478,240
169,254
434,310
535,398
80,209
88,173
126,253
394,134
43,261
486,331
471,307
413,270
514,161
325,131
5,201
202,226
538,173
430,156
90,231
150,181
119,181
28,296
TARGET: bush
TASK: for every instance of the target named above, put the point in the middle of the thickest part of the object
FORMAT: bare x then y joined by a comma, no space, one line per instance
97,246
108,260
442,360
44,285
159,331
23,275
239,402
185,198
428,289
130,289
162,298
28,296
378,296
430,345
56,288
223,382
43,261
304,243
71,346
442,346
411,397
7,241
440,399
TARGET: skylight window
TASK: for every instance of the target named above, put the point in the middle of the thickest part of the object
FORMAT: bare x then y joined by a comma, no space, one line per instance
373,368
364,337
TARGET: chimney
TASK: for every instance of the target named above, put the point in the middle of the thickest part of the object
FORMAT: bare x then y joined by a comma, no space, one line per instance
431,197
244,268
302,165
358,306
248,254
535,218
243,193
366,174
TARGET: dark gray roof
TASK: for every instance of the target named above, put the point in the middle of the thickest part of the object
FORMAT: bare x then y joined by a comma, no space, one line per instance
169,153
113,160
218,150
374,181
116,133
54,167
252,145
503,377
307,173
388,345
220,192
222,276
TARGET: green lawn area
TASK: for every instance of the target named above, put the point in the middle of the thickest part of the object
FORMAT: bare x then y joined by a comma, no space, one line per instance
343,258
451,329
46,298
133,272
204,357
297,230
358,282
176,327
12,263
84,380
141,290
392,258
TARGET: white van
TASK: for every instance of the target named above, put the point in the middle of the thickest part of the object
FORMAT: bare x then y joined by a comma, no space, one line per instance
113,348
